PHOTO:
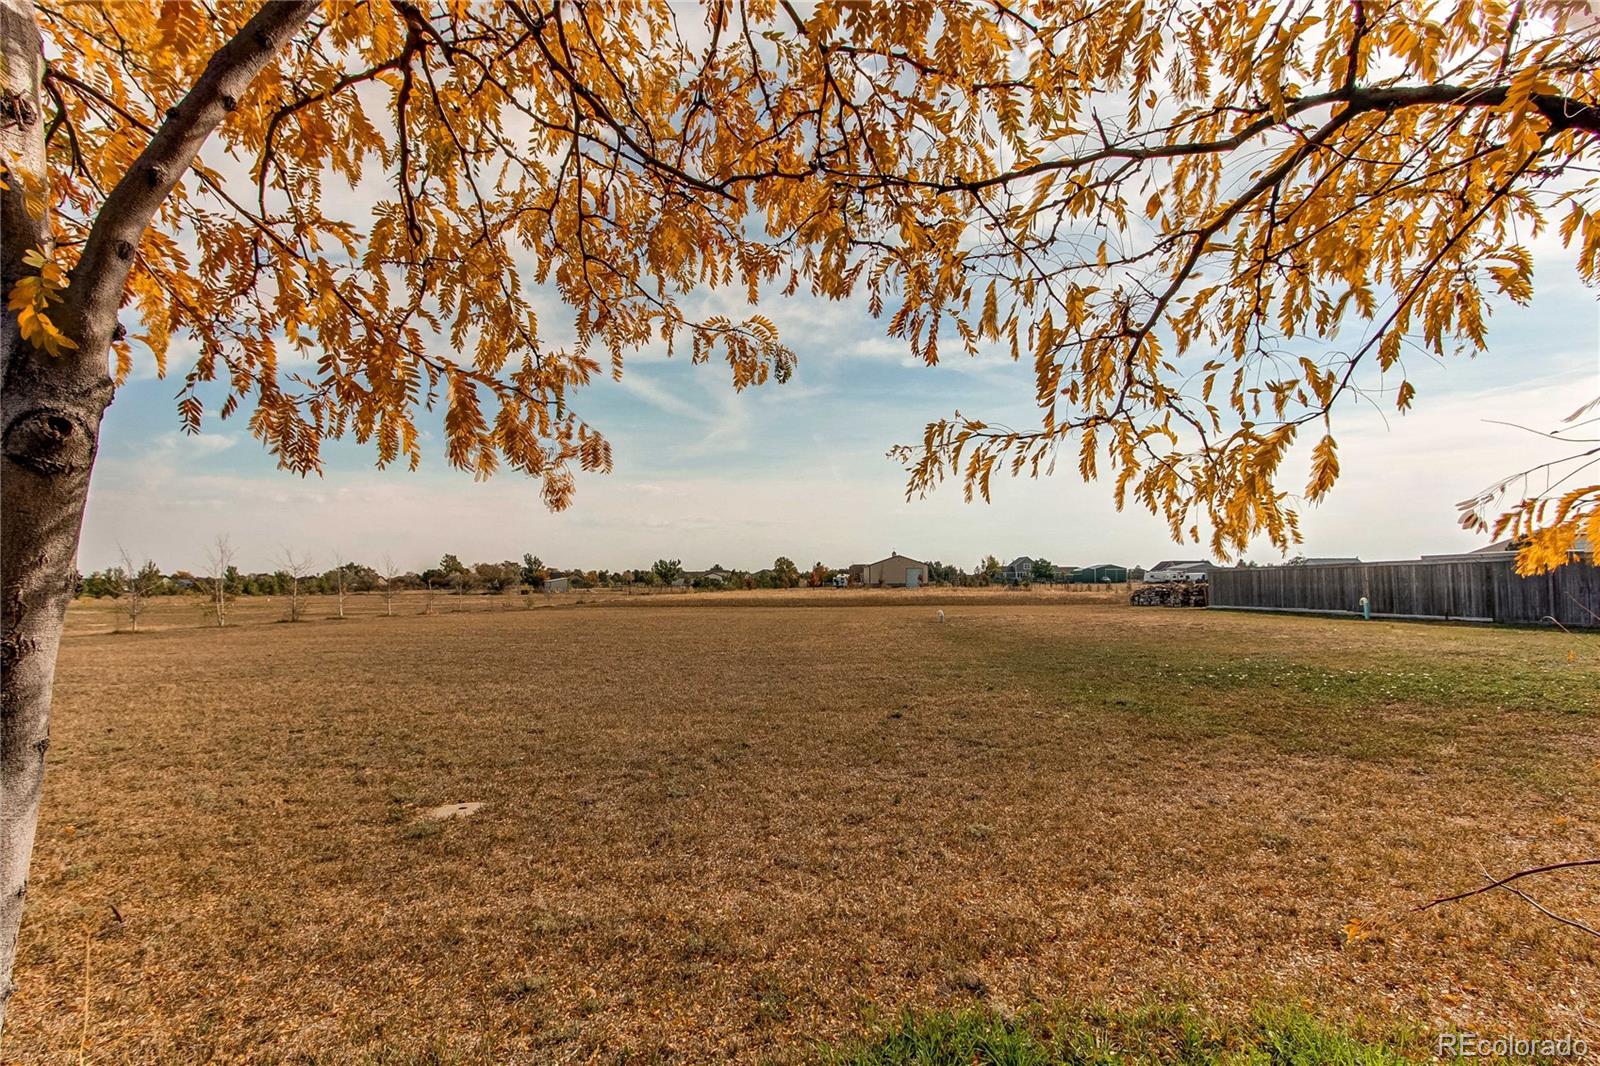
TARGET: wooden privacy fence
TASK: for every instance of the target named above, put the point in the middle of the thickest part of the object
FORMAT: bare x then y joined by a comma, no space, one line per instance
1487,590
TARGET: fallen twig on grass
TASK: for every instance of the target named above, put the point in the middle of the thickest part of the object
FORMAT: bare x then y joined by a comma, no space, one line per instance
1505,883
1547,912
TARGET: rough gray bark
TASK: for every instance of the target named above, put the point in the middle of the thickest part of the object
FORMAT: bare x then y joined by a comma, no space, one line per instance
51,407
44,429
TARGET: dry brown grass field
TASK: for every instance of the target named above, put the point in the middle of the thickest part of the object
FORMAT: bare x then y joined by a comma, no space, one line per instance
728,827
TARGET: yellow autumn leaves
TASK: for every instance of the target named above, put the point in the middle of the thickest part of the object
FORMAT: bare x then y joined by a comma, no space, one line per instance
31,298
1206,227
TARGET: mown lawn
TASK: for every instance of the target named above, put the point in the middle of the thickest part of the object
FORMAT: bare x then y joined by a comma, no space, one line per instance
1170,1034
748,830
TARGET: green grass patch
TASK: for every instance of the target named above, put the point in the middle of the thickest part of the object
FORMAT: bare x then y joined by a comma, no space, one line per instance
1426,682
1326,695
978,1036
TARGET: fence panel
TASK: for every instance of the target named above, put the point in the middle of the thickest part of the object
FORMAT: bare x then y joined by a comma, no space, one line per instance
1487,590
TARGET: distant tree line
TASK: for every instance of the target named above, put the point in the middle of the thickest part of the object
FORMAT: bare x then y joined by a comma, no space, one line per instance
295,577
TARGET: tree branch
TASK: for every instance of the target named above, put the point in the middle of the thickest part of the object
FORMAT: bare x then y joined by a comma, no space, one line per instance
95,286
1562,112
1499,882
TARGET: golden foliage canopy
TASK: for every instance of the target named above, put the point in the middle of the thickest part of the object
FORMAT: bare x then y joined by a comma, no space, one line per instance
1205,224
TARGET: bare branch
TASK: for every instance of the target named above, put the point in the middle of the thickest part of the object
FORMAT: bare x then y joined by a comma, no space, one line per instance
1495,883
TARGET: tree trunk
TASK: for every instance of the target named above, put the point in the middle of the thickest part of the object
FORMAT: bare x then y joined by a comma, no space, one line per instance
51,406
50,410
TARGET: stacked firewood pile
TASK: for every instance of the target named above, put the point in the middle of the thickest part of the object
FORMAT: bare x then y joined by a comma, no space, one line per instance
1172,594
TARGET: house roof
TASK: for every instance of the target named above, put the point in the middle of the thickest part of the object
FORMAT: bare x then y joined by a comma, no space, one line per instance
892,558
1184,564
1581,546
1104,566
1504,547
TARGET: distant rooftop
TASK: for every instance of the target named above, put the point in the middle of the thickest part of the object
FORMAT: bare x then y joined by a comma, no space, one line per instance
1506,547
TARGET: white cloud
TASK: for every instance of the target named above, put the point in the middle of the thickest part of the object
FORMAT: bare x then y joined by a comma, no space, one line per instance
209,443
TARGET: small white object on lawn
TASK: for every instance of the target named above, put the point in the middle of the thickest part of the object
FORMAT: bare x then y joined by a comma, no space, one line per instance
941,614
452,810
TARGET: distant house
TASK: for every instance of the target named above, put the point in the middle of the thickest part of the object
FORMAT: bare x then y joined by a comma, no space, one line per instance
703,577
1581,548
1017,571
1100,574
558,584
1180,570
1063,573
897,571
1323,560
840,580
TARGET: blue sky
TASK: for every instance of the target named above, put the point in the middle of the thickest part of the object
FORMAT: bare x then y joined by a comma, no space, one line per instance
710,476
